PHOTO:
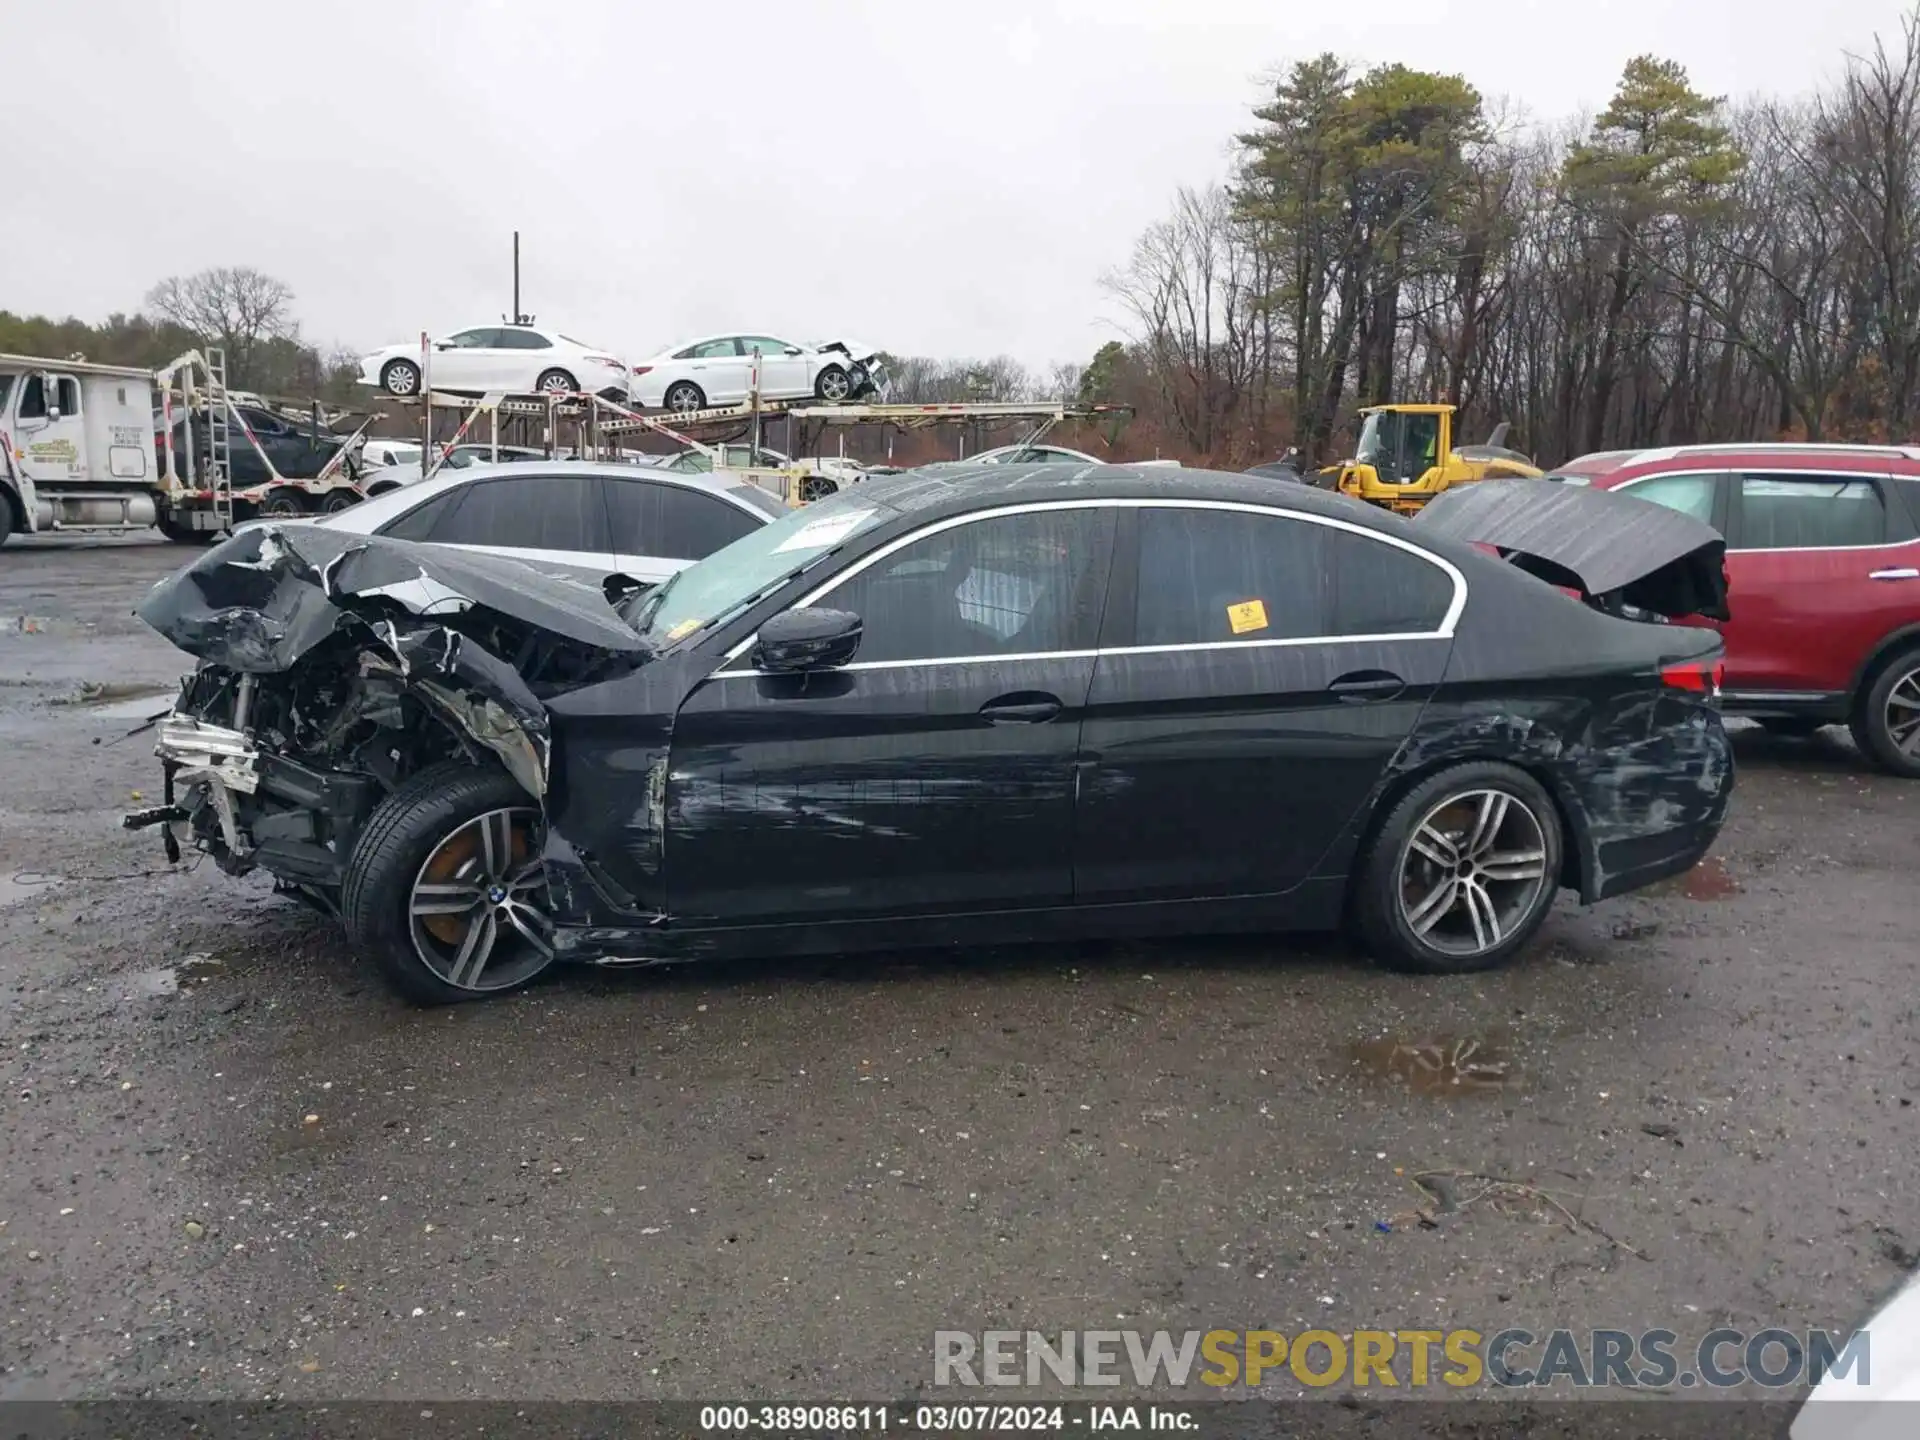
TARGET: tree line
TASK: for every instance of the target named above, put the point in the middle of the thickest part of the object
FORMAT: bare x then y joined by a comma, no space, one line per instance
1678,269
247,312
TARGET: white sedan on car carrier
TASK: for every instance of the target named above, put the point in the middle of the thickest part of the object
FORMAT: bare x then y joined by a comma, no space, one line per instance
718,370
509,359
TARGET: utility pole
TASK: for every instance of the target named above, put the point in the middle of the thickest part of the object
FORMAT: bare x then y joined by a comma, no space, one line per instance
516,277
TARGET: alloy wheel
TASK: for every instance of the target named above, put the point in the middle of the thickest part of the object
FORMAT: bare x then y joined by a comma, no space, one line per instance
475,908
554,383
1472,871
834,385
1903,714
402,379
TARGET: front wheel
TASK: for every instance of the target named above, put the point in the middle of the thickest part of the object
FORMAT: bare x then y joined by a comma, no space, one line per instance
445,889
400,377
1887,725
833,385
1462,872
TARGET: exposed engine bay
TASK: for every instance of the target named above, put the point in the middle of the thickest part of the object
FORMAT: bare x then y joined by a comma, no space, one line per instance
336,667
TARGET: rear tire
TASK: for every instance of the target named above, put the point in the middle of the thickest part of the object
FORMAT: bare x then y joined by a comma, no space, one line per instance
1886,726
556,382
682,397
281,505
340,500
185,535
1462,872
415,838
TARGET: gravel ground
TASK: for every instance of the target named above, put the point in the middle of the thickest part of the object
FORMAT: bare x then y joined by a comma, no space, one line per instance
232,1165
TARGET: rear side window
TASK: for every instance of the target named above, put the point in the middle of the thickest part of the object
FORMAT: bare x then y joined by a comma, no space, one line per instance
544,512
1689,494
523,340
1208,576
1809,512
418,523
672,522
1380,589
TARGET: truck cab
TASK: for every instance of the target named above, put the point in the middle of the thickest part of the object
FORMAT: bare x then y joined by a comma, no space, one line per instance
76,446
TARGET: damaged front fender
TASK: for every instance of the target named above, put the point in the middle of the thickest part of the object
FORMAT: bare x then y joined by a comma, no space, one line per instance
326,654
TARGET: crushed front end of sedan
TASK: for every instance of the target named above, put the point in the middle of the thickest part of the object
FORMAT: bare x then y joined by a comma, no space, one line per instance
336,668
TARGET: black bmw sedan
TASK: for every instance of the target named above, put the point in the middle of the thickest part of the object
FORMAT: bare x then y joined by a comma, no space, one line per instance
979,704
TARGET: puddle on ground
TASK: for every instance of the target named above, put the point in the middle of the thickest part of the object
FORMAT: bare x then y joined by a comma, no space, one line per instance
171,979
1709,880
18,886
1439,1064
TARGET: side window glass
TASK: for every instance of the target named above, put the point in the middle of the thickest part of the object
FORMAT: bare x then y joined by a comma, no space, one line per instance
545,512
694,524
1689,494
1011,585
714,349
33,399
473,340
1208,576
523,340
1380,589
1810,512
418,523
69,395
762,345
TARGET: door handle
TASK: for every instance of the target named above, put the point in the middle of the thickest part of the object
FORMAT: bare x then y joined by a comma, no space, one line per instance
1908,573
1027,708
1359,686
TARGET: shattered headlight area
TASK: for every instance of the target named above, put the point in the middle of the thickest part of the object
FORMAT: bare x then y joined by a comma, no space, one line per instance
336,668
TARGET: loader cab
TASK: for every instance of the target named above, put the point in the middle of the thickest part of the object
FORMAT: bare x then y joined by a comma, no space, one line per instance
1402,445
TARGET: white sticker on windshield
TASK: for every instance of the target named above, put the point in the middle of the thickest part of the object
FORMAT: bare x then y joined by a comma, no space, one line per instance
827,530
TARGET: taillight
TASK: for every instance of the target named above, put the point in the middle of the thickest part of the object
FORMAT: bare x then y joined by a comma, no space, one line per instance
1700,676
641,369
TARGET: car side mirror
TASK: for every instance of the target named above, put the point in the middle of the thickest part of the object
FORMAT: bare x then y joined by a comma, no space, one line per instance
795,350
807,639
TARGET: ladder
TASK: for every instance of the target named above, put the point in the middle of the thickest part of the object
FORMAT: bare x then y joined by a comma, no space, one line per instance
219,476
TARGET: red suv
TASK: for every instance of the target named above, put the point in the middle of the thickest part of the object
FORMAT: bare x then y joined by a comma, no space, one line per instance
1823,569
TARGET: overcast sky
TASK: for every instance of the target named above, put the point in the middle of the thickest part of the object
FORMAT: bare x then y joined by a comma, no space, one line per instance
934,178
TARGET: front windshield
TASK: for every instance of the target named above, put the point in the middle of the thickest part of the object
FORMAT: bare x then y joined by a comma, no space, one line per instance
721,584
1400,447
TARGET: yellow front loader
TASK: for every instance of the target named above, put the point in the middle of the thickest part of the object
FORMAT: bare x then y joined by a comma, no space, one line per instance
1406,457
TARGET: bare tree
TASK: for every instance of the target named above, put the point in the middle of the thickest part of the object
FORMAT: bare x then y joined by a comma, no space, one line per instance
1187,289
234,306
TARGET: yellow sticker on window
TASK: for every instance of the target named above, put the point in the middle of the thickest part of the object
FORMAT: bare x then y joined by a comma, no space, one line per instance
1247,615
692,623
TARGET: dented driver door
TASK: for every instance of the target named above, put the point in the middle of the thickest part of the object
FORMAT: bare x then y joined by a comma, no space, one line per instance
934,773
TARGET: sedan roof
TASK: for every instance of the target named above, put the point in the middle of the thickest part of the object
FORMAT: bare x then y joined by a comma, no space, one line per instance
962,485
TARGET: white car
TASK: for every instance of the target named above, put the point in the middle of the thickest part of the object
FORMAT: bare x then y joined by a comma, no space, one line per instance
718,370
508,359
589,520
1034,455
378,454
